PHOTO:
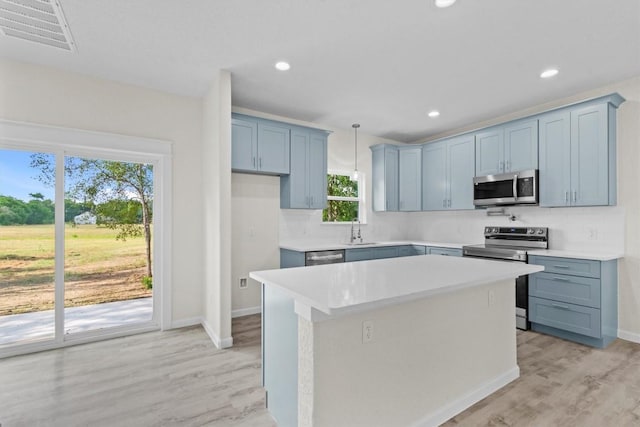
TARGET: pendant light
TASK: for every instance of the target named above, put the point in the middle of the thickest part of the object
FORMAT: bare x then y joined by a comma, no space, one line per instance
354,175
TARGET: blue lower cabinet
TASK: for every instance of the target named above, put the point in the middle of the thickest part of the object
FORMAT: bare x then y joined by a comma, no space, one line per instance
575,299
289,258
385,252
360,254
411,250
434,250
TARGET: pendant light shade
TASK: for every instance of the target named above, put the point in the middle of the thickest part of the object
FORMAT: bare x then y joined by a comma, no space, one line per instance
354,175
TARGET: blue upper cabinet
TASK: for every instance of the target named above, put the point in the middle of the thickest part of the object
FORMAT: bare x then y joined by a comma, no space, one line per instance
410,178
448,171
385,177
259,146
490,152
273,148
578,154
507,148
435,182
306,186
244,144
521,145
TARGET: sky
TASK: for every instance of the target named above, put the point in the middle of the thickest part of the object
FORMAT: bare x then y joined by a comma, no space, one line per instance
17,178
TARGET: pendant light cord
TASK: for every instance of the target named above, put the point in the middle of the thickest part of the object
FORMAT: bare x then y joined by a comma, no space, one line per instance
355,126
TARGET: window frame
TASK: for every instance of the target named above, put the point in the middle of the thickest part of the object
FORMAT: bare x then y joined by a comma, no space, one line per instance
360,199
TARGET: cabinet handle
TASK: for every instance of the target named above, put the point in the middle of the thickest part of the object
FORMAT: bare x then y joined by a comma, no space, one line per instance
499,166
560,266
508,166
566,197
253,161
449,203
575,196
260,162
562,306
560,279
311,203
444,203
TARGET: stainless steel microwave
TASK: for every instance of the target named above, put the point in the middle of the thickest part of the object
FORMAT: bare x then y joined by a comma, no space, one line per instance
513,188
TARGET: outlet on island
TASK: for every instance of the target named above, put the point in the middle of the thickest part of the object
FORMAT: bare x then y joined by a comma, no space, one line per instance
367,331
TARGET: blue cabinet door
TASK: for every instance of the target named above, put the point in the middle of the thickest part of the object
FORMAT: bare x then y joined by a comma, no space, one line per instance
384,177
385,252
555,159
460,165
273,148
434,176
391,179
360,254
244,144
294,188
490,152
521,145
317,171
410,179
589,156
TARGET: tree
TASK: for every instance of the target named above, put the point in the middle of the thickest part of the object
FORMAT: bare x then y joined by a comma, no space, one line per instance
341,210
107,183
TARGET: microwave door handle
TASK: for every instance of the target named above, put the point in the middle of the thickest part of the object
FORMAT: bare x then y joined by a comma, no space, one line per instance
515,187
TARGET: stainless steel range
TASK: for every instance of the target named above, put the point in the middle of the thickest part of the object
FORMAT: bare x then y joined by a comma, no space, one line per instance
512,244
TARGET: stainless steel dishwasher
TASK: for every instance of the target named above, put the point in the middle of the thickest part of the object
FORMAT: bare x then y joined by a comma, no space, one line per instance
324,257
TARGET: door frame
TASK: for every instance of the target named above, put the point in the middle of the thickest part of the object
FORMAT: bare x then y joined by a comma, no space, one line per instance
63,142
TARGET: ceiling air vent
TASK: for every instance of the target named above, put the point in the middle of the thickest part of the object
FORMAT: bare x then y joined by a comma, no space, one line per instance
40,21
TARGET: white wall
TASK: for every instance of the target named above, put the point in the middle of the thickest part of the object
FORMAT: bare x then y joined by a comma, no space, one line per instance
216,233
36,94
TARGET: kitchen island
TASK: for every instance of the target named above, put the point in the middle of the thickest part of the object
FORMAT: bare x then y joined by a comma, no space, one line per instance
393,342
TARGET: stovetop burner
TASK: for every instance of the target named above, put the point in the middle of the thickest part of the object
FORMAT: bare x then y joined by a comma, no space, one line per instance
509,243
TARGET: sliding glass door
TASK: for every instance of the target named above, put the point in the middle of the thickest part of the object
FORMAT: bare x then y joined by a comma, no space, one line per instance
27,250
75,245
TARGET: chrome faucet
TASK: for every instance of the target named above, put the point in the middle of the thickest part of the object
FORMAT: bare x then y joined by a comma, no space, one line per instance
353,237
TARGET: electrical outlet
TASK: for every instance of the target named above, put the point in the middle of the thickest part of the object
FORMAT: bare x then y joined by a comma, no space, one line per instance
367,331
243,282
491,298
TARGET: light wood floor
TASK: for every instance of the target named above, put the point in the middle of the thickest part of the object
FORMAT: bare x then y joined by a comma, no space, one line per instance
177,378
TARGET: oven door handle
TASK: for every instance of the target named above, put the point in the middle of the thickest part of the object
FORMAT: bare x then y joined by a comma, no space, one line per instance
515,187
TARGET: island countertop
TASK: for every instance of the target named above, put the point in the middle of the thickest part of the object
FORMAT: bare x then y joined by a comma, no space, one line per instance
337,289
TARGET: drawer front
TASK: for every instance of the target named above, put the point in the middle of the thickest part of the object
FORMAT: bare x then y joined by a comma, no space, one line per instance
574,267
385,252
358,254
565,288
445,251
565,316
410,250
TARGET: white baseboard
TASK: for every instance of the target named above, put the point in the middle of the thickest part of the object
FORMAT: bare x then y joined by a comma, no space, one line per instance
183,323
629,336
219,343
454,408
246,311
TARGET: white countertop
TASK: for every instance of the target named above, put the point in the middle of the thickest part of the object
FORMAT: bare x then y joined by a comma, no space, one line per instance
306,246
597,256
337,289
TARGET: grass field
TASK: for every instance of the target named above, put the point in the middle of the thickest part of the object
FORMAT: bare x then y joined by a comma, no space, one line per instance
98,268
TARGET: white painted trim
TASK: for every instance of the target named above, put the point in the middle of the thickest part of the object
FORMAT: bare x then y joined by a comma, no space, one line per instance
185,323
629,336
110,146
454,408
246,311
219,343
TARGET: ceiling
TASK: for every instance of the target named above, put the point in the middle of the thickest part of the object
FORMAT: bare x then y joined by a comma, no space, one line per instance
384,64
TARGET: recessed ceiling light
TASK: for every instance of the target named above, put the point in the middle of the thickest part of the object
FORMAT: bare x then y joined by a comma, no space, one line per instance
282,66
444,3
434,113
548,73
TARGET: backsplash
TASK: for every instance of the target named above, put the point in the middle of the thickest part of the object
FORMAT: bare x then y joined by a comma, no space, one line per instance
577,229
307,225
